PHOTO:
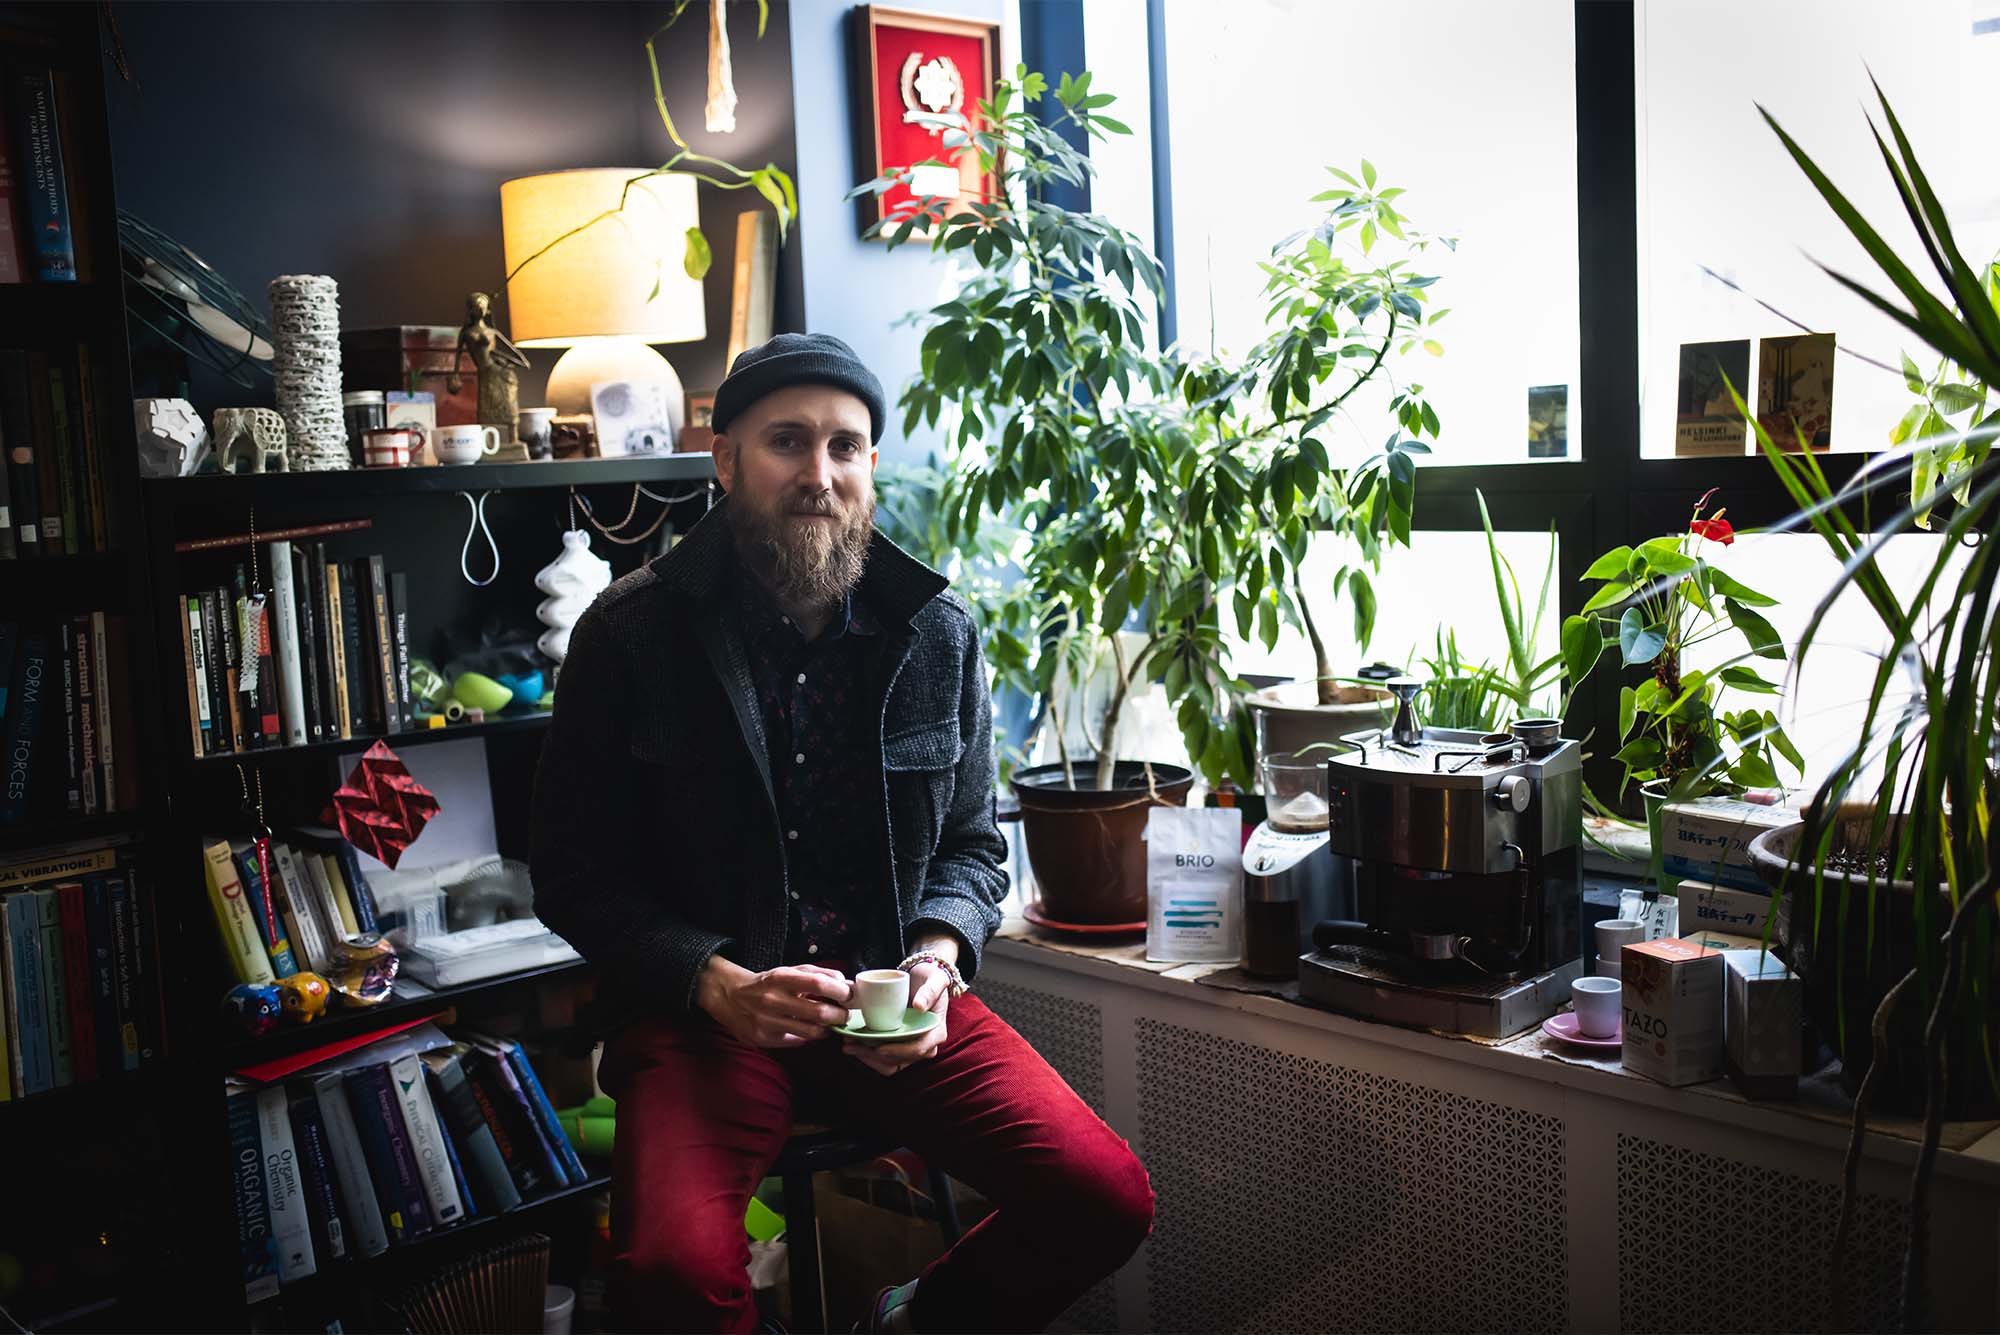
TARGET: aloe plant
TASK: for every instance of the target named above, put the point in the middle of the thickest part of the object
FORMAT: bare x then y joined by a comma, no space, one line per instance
1924,760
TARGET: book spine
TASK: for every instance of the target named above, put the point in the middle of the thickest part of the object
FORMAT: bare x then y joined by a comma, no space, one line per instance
263,902
399,610
329,1236
313,872
89,762
253,1207
125,959
450,1144
107,747
69,469
267,675
72,734
359,892
291,686
426,1145
336,639
10,1025
385,643
151,1030
299,888
537,1135
103,974
197,638
308,643
13,257
36,388
219,738
245,659
55,986
289,1228
379,1115
478,1150
351,639
45,192
241,941
309,946
336,889
329,697
85,416
230,660
24,929
23,472
188,670
77,977
8,548
25,700
358,1208
508,1124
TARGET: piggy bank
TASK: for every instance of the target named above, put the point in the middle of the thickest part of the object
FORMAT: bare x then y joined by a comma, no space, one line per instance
302,996
254,1007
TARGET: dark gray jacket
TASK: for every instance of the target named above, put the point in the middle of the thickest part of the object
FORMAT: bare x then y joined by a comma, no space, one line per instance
656,839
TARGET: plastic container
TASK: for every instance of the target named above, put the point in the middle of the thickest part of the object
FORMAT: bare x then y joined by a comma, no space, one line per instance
558,1309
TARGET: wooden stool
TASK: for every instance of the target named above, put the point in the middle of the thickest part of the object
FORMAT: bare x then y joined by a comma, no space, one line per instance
815,1148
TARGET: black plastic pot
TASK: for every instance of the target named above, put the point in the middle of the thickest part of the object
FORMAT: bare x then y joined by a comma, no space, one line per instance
1086,844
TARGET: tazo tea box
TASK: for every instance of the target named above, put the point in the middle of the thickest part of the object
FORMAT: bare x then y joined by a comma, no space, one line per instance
1673,1010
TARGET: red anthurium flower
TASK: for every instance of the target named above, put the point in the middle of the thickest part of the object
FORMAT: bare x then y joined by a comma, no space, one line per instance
1715,530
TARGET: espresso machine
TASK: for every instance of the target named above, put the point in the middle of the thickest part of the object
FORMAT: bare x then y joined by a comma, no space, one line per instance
1468,875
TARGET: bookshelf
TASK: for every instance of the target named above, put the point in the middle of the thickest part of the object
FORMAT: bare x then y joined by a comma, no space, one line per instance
138,1164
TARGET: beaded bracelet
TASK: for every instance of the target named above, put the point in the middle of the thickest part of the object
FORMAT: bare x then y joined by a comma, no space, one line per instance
959,987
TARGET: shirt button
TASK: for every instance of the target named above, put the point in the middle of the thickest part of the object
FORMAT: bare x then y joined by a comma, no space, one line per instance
813,948
792,834
795,894
799,759
786,620
802,679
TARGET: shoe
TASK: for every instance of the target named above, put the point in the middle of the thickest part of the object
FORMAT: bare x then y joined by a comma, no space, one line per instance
891,1310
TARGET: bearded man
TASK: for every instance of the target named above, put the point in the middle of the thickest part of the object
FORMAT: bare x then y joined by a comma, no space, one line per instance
770,767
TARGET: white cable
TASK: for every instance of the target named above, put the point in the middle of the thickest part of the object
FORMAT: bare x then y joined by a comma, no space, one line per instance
476,522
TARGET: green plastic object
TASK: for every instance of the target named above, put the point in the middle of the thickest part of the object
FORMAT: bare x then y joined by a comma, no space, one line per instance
591,1127
476,690
761,1222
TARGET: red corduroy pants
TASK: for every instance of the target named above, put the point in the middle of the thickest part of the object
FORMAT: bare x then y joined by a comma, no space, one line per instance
701,1117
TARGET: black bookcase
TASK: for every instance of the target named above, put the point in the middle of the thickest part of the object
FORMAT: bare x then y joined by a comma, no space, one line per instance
133,1173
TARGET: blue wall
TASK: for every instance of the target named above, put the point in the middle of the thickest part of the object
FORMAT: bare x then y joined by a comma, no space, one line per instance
853,288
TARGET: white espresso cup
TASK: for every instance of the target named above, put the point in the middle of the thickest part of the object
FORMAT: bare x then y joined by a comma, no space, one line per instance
1598,1002
463,444
883,994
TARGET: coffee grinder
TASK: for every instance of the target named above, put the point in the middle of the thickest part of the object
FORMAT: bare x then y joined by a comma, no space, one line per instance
1291,877
1468,875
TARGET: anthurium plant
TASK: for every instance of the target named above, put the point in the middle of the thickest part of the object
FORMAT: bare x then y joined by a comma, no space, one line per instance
1653,604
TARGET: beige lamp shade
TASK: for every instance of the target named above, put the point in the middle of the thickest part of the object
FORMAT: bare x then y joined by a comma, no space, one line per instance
601,281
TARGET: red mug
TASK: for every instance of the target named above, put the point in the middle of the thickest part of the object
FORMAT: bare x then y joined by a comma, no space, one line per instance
390,447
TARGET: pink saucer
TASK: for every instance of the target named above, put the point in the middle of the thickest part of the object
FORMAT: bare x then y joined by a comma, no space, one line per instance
1564,1027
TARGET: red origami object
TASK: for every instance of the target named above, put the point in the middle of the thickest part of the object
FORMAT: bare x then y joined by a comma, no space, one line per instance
381,809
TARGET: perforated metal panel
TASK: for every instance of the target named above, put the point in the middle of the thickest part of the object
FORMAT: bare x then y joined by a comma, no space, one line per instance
1070,1036
1394,1206
1739,1246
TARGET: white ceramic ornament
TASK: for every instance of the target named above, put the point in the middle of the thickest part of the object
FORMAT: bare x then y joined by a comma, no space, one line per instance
173,440
573,580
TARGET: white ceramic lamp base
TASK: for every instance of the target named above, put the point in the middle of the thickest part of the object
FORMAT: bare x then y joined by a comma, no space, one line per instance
595,361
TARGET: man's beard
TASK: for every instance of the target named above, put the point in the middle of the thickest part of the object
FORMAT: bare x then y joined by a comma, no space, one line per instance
804,564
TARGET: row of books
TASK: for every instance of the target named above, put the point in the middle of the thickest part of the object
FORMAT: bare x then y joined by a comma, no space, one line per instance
54,491
315,897
324,656
80,996
43,222
66,719
384,1145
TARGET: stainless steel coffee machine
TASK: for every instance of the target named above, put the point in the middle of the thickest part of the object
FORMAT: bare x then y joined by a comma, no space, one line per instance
1468,876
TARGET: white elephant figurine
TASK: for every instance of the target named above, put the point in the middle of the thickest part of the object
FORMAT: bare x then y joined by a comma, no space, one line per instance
256,433
173,440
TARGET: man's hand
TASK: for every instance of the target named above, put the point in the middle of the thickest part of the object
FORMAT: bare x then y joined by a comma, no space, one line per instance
930,990
779,1008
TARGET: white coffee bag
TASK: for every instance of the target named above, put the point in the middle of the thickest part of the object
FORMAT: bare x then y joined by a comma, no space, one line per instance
1194,885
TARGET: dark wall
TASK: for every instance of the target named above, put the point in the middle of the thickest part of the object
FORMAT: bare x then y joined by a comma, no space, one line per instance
368,141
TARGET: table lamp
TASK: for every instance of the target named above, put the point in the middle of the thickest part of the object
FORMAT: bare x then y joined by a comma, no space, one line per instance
608,291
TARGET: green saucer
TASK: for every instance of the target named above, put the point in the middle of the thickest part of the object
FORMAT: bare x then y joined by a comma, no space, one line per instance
915,1022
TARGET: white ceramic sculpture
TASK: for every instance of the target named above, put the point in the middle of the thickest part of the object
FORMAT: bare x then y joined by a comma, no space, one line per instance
257,434
173,440
305,324
572,581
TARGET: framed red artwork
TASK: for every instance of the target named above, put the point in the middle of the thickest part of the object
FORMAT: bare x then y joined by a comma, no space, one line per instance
909,67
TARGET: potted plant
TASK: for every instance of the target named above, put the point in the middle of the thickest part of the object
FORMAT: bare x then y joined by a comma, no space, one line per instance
1890,878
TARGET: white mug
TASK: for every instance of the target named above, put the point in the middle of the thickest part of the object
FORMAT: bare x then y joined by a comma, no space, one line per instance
1614,934
1598,1006
461,444
883,994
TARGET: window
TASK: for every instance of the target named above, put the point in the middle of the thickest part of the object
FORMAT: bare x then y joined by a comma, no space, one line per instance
1480,129
1716,188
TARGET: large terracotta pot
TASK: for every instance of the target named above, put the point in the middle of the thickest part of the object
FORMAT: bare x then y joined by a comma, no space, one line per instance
1872,962
1085,844
1290,717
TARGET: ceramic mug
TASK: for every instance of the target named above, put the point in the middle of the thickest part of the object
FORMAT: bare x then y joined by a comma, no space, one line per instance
535,428
883,994
1614,934
462,444
1598,1006
390,447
